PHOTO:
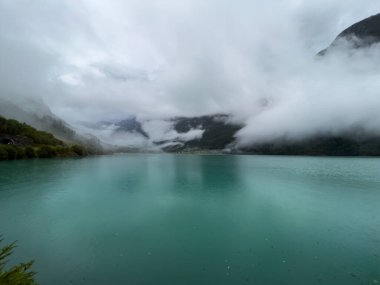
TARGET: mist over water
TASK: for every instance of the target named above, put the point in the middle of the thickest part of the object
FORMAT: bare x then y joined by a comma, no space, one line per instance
190,219
95,60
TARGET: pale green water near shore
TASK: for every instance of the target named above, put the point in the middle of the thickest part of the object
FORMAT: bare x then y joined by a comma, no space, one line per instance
195,219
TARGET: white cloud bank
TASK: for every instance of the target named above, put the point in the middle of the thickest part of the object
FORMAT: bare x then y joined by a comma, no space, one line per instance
96,59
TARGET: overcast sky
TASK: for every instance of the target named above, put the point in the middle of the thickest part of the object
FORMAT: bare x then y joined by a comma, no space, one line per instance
92,60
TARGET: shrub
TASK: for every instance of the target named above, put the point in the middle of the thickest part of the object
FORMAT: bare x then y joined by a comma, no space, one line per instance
3,153
46,152
64,151
11,150
79,150
30,152
13,127
17,275
20,153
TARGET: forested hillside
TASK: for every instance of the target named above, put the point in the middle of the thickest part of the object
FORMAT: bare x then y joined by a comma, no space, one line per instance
19,141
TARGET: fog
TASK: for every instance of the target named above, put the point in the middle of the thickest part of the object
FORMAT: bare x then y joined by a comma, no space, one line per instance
159,131
93,60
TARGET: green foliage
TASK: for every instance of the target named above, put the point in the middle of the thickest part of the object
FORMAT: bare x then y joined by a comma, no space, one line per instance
30,152
20,153
79,150
13,127
3,153
31,143
11,151
20,274
46,152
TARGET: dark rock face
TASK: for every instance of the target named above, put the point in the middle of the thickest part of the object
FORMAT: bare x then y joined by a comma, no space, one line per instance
131,126
360,35
368,28
218,132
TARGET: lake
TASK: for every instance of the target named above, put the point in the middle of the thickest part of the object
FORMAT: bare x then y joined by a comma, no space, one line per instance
152,219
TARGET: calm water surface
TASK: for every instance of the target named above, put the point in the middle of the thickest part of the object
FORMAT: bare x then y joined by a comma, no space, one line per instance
196,220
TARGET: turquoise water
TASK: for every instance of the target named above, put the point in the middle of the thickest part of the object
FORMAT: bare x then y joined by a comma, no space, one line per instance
195,219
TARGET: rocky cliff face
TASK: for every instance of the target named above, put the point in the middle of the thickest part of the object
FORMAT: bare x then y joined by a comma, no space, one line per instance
218,131
360,35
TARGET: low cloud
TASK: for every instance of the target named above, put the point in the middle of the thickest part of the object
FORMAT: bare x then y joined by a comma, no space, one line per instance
100,60
163,130
157,134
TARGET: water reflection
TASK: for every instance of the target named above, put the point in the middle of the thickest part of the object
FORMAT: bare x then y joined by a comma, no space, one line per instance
193,219
206,174
18,174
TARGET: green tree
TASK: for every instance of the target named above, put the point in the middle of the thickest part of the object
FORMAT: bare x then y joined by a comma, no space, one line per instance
79,150
11,150
20,153
3,153
20,274
30,152
46,152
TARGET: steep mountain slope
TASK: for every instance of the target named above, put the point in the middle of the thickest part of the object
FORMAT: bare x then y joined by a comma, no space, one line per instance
363,34
360,35
354,142
213,132
131,125
36,114
218,131
19,140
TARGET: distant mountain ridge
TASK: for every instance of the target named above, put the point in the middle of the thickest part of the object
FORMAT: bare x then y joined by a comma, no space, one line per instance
219,132
38,115
131,125
209,132
20,141
354,142
41,117
360,35
322,145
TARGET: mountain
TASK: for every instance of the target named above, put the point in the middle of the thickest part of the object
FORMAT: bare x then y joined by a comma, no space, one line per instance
19,140
209,132
36,114
219,135
217,132
212,132
131,125
360,35
355,142
344,145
